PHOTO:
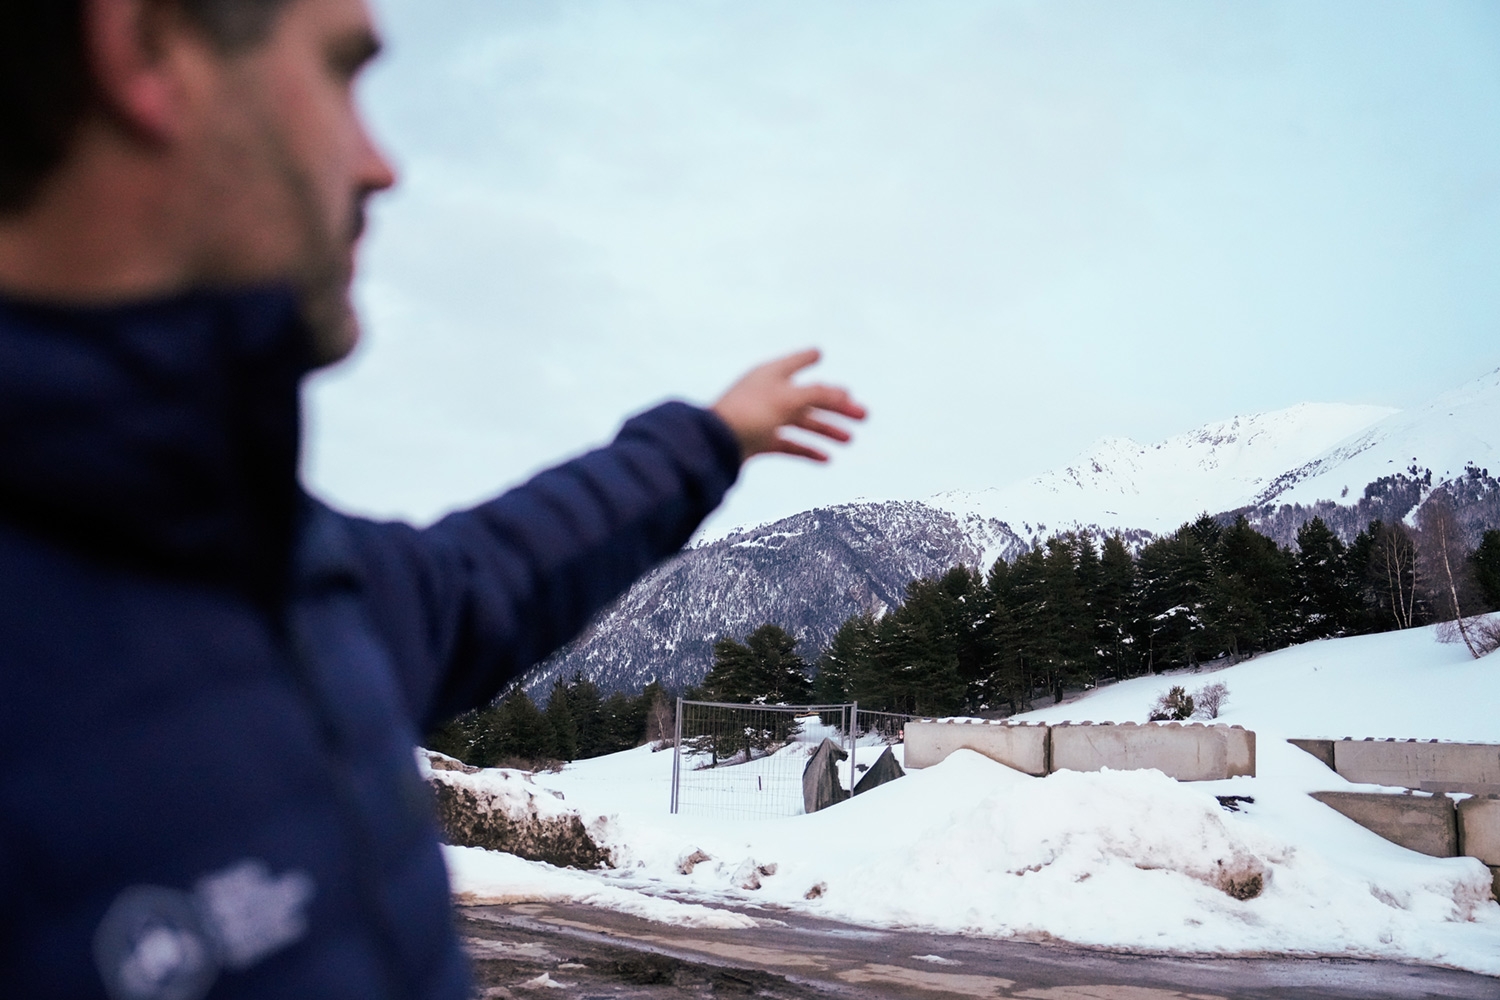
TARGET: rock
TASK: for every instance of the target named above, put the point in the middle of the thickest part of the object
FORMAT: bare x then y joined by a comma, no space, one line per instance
442,762
885,769
816,891
747,875
767,870
501,809
821,787
688,862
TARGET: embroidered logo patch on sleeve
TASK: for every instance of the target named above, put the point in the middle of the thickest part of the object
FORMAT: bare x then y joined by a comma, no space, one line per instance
159,943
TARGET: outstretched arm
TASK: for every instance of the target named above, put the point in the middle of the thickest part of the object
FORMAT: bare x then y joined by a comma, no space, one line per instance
484,594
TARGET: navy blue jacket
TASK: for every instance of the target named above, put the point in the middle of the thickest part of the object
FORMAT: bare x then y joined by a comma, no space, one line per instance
211,684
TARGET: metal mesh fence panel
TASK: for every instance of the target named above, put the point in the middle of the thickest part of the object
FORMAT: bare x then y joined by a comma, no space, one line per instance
746,761
873,732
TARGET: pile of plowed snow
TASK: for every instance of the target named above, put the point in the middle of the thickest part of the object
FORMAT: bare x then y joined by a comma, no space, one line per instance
1123,859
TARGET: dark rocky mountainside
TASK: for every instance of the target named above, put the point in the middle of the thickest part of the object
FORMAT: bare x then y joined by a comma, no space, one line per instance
807,573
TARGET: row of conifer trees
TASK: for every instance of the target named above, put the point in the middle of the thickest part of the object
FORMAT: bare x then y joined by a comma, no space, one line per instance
1070,613
1074,612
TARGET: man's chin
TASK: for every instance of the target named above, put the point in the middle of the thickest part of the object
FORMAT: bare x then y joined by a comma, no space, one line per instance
332,326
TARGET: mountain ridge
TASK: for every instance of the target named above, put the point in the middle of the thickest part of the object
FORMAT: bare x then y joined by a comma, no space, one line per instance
811,571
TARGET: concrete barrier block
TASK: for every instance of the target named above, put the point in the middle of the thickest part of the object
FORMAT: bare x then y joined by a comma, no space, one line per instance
1419,823
1409,763
1187,753
1479,829
1021,746
1241,751
1321,749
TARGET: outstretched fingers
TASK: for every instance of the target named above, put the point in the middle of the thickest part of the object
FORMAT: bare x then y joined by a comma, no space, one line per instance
786,446
767,402
793,363
807,422
833,399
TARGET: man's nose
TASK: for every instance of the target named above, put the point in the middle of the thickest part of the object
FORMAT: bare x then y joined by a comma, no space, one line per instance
375,171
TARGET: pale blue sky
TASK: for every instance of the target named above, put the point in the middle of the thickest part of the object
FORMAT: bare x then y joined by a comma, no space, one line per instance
1014,227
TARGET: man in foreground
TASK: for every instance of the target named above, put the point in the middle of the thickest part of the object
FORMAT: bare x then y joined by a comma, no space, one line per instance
210,683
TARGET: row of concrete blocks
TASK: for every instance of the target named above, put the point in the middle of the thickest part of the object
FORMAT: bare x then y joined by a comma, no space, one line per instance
1434,825
1192,752
1427,766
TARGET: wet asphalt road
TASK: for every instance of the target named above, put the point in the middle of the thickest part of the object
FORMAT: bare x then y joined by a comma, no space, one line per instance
562,950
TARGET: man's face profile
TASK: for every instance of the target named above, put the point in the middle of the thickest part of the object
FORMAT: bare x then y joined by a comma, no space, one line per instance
288,164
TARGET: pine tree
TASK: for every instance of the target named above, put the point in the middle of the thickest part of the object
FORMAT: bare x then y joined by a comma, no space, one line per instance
777,675
1486,562
1325,603
913,666
1001,677
1249,607
1176,575
1115,613
586,706
846,654
562,728
729,679
512,730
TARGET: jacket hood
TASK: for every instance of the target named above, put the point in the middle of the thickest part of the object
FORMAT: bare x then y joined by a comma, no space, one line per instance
160,435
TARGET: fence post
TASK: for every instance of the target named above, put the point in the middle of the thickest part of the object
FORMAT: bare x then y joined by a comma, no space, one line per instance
853,741
676,755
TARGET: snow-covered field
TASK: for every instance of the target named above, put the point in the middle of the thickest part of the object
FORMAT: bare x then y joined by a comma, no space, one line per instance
1129,860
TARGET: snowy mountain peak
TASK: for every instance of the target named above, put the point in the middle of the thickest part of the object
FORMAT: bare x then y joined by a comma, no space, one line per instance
1457,430
1119,483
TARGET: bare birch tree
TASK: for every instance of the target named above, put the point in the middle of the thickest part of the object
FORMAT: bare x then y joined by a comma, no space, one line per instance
1395,558
1447,568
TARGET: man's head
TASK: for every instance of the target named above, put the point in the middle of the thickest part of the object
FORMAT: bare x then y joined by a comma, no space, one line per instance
151,146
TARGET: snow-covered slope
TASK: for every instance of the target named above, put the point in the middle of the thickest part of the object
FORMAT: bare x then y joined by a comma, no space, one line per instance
971,847
1458,429
1121,484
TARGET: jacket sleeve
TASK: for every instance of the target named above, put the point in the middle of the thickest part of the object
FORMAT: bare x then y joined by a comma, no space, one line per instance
478,597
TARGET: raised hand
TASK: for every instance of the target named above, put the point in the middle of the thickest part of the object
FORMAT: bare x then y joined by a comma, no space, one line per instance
765,401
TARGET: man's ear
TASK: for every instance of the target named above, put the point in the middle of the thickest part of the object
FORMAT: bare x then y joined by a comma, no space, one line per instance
134,49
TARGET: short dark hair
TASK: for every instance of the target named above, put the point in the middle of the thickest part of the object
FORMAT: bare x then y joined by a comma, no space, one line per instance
45,87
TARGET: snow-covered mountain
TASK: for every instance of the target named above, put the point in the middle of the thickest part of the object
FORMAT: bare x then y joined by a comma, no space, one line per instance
1389,469
807,573
1347,463
1119,484
1457,430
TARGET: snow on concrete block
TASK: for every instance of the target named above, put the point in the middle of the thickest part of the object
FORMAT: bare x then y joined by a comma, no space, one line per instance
1427,825
1188,753
1019,746
1430,766
1479,829
1321,749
